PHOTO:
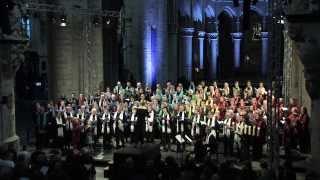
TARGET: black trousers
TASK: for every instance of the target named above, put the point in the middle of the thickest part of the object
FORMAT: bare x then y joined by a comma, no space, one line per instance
228,145
41,139
107,140
119,138
139,134
257,148
304,141
149,136
166,140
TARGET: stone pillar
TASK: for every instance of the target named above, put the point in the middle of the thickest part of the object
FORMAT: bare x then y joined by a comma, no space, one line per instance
12,48
8,135
75,53
60,60
96,50
315,135
312,73
185,66
213,55
265,53
236,37
199,50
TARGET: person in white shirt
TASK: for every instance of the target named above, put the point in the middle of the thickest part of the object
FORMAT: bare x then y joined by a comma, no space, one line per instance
261,91
107,129
211,139
228,131
118,120
166,129
95,126
149,124
61,124
132,123
180,126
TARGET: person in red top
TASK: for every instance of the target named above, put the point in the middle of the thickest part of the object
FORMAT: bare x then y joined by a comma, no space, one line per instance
81,100
293,104
304,133
76,131
293,128
260,134
255,104
281,107
242,106
222,108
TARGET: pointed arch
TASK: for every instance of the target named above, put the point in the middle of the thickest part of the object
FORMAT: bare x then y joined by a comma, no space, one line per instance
256,10
197,12
229,11
209,12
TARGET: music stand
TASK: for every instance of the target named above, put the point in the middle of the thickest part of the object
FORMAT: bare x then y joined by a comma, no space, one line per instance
142,113
180,141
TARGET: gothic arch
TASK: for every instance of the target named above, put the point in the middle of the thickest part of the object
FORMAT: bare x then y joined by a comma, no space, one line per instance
197,12
210,27
251,47
229,11
256,10
210,19
185,13
226,20
209,12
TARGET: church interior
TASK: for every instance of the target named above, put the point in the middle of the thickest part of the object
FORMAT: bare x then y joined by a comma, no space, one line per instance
159,89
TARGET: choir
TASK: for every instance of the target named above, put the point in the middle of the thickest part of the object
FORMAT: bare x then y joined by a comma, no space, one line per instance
235,117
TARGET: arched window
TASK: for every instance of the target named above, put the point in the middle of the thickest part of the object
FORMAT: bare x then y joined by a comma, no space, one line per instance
26,26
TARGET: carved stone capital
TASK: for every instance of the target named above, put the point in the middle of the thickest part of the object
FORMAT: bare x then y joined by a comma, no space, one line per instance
201,34
264,35
296,32
187,31
309,54
312,75
237,35
212,35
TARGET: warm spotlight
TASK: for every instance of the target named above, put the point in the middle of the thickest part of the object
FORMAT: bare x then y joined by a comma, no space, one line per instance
108,21
63,21
96,20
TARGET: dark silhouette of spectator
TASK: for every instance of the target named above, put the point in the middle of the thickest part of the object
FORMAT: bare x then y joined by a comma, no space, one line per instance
7,164
287,171
247,172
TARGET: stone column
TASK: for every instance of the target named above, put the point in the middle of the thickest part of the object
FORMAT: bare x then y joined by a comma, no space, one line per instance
213,55
236,37
75,53
312,73
185,65
200,50
96,51
265,54
315,135
8,67
60,60
12,48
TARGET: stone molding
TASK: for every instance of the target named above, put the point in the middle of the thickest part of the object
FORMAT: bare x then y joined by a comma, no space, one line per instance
264,35
187,32
237,35
201,34
212,35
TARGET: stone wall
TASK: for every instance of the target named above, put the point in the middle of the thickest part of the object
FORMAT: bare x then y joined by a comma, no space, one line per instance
138,58
75,54
303,71
294,76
